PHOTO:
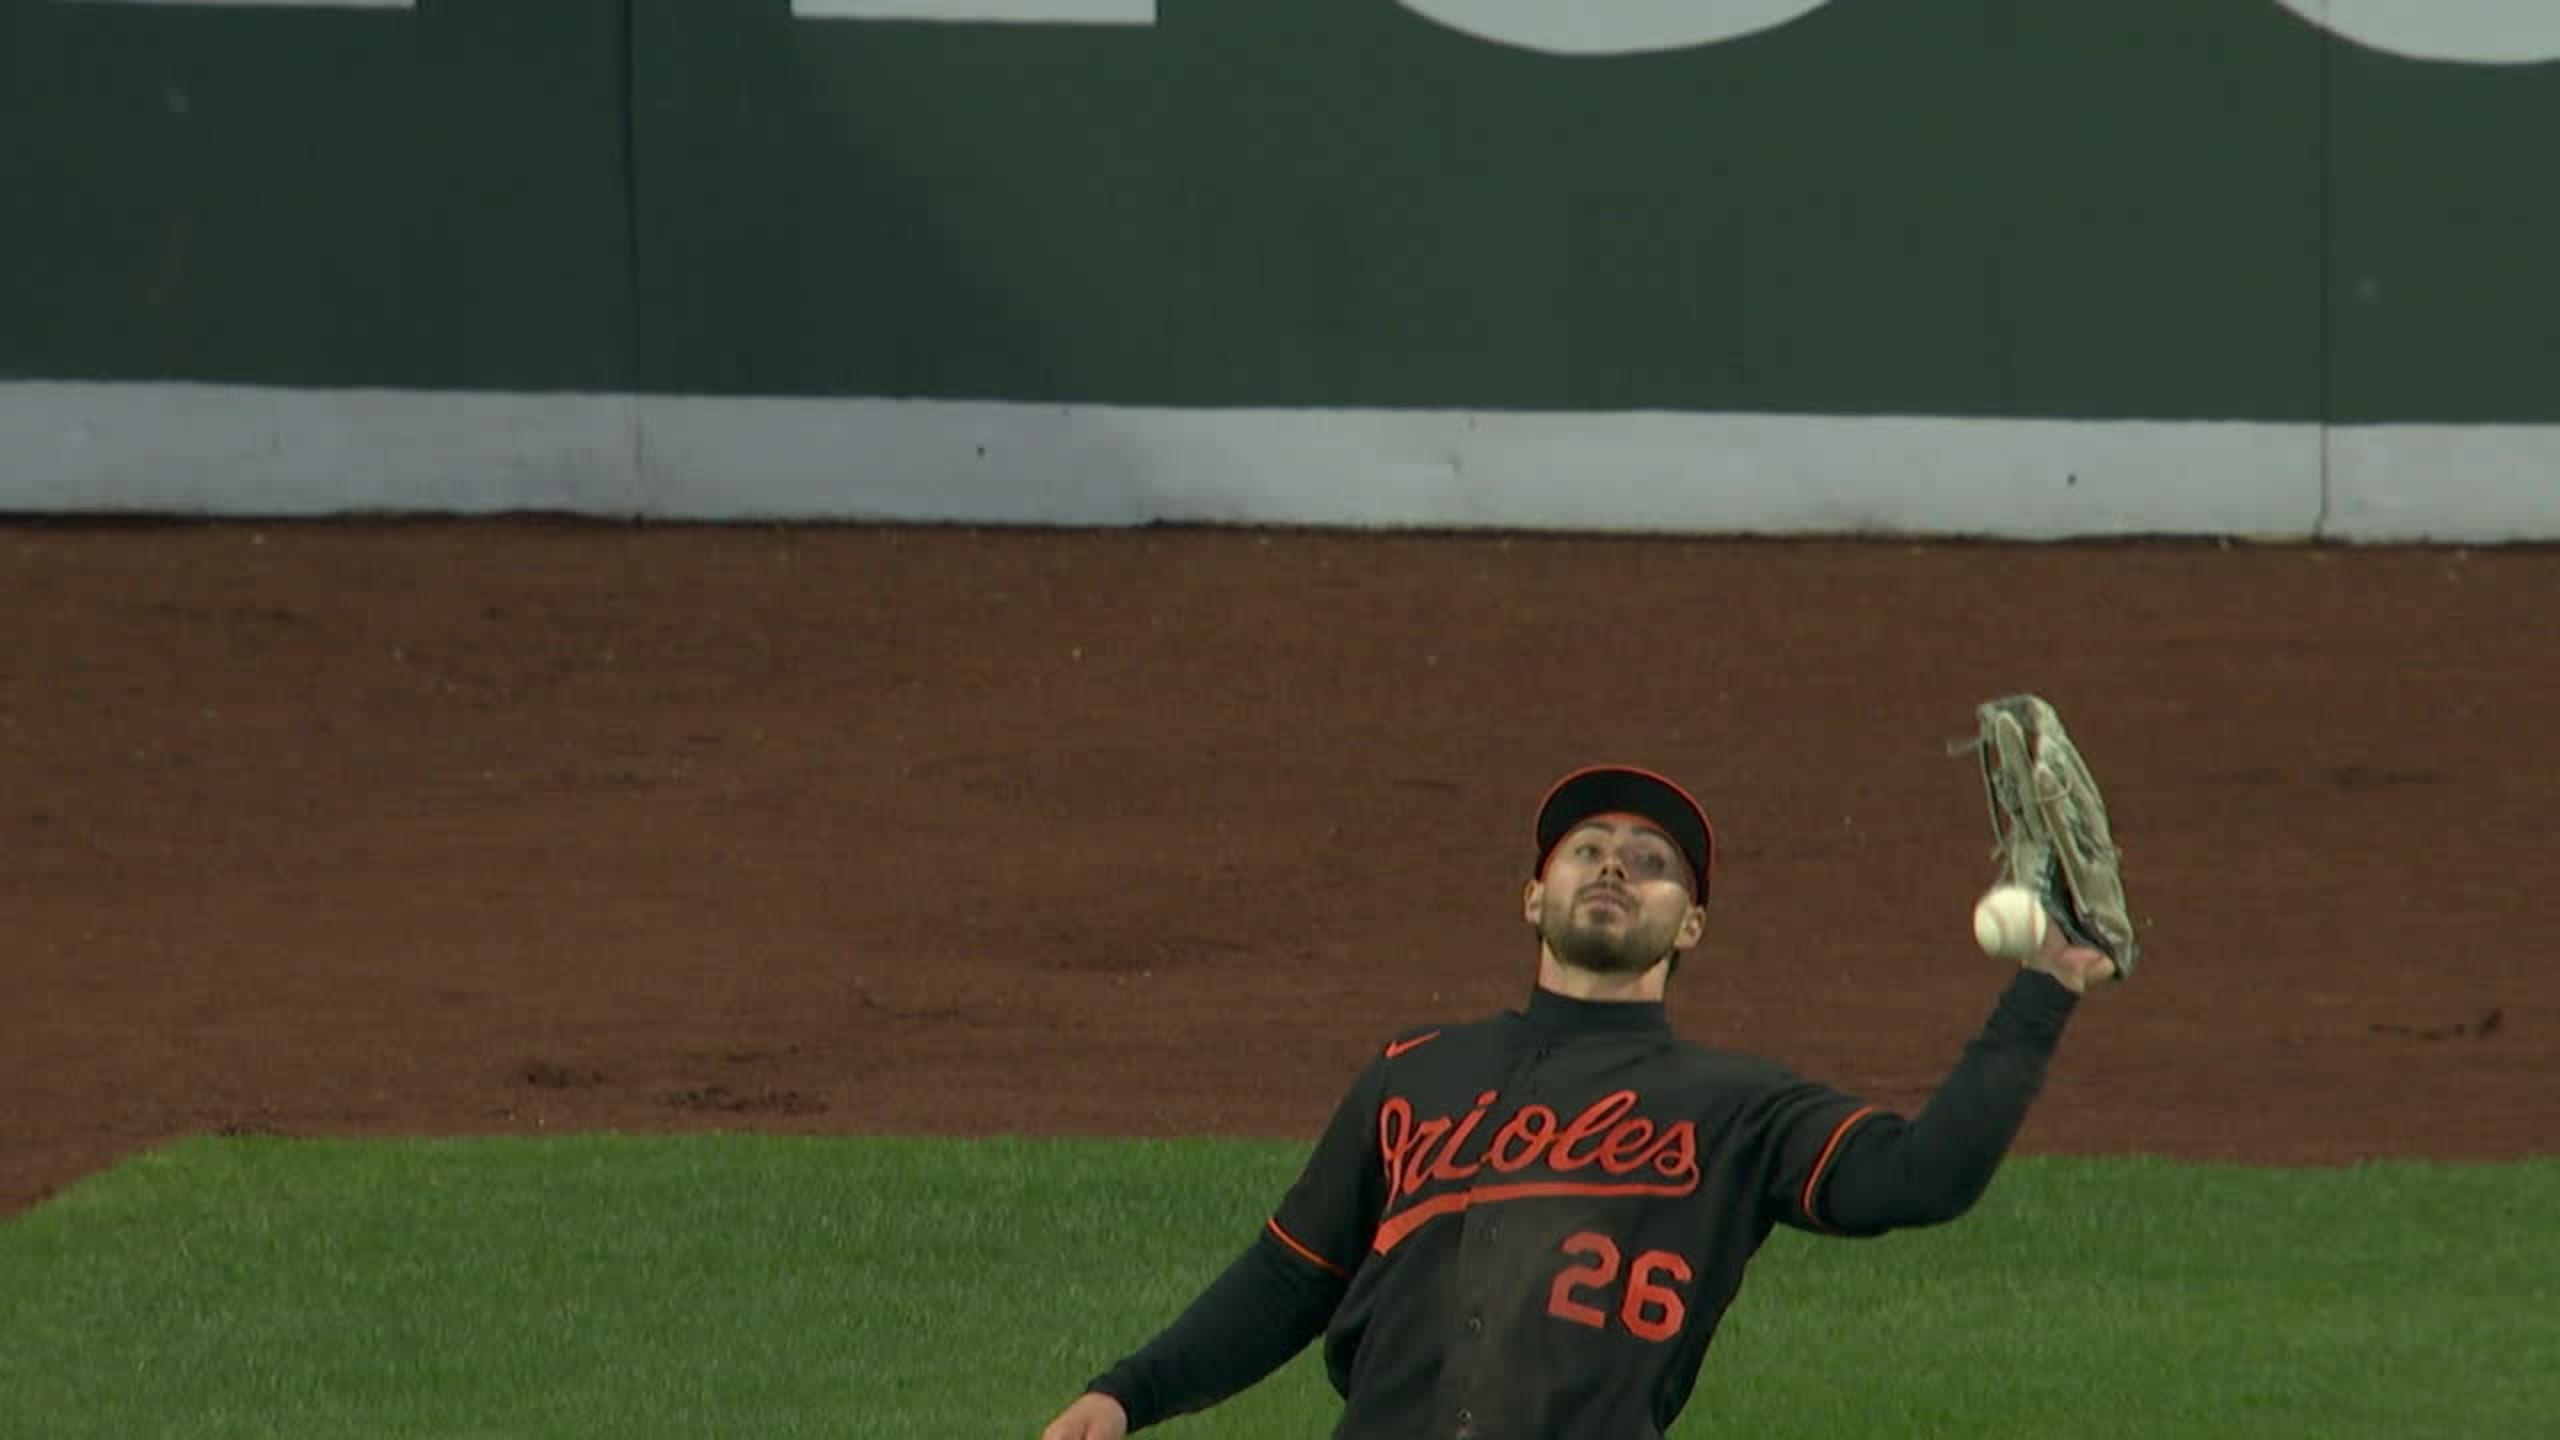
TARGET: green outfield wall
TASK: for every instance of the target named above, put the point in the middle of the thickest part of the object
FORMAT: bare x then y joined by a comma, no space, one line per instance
888,241
288,196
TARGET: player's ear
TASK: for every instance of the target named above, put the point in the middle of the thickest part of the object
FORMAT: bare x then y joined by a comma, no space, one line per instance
1530,895
1693,927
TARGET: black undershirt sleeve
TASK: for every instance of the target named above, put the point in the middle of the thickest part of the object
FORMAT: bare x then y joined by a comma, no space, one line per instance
1282,1291
1892,1172
1251,1320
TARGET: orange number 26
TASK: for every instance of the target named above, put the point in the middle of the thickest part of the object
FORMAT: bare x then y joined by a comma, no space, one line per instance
1650,1309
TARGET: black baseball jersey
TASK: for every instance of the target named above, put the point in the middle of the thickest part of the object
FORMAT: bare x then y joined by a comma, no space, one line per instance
1542,1216
1529,1226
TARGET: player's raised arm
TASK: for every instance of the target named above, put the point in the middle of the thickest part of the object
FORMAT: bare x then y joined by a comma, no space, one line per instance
2059,910
1883,1172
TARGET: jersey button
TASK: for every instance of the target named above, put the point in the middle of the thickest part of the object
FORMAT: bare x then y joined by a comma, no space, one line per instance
1475,1324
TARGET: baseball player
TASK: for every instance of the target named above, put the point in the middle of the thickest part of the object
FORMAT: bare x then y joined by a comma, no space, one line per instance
1529,1225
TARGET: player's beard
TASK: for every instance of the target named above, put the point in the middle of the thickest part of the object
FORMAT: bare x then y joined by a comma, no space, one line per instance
1628,949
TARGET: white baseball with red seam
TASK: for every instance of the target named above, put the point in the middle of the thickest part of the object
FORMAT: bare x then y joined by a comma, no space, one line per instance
2009,923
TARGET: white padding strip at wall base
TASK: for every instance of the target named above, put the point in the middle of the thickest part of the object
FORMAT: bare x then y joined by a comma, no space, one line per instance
108,448
2466,483
218,450
1632,471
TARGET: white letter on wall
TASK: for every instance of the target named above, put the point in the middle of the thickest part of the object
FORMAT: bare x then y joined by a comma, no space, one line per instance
984,12
2483,32
1609,27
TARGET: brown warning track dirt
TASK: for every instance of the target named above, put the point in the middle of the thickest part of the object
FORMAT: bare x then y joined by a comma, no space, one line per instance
525,827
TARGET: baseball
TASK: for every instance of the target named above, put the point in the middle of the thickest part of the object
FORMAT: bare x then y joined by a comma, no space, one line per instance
2009,923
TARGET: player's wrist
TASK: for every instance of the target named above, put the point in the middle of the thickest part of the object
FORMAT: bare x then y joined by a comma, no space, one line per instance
1104,1393
1091,1416
2052,989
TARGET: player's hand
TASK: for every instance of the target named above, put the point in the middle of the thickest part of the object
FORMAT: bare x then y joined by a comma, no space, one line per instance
2078,967
1092,1417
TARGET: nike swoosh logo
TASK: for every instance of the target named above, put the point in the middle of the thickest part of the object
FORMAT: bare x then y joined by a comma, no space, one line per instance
1402,1046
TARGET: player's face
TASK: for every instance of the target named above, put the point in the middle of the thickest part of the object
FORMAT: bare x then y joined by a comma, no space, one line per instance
1615,898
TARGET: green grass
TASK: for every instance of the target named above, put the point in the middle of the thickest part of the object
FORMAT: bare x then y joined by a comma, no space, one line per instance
762,1286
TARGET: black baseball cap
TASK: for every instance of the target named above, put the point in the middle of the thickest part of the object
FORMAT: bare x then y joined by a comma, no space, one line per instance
1598,790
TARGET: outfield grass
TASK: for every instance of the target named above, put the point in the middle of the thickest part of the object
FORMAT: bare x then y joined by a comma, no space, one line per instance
762,1286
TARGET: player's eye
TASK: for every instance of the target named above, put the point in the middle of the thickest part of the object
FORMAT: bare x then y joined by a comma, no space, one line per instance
1651,864
1586,851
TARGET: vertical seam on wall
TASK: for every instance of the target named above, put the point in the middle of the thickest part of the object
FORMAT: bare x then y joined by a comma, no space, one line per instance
632,375
2323,269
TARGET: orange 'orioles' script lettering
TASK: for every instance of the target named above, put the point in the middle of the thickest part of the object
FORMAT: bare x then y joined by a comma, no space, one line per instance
1606,1149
